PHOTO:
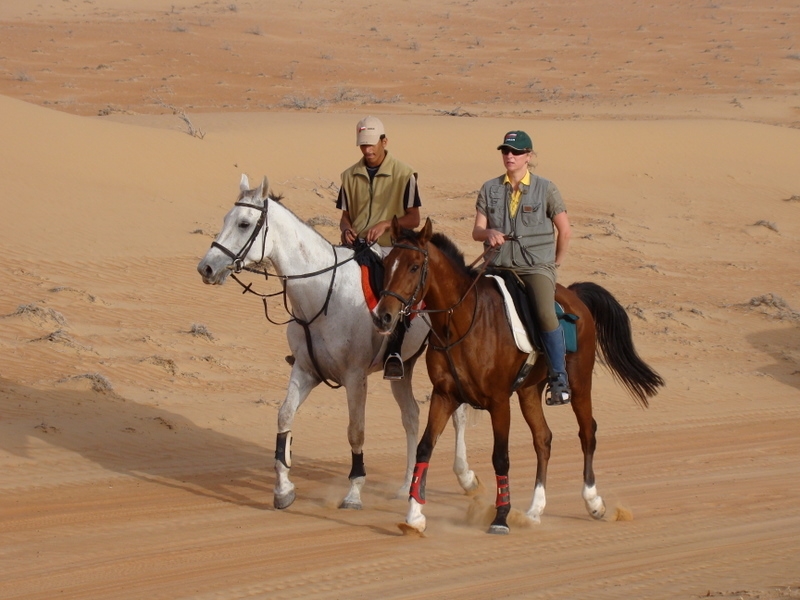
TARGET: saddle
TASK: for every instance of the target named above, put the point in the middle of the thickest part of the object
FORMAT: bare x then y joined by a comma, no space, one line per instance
521,319
372,275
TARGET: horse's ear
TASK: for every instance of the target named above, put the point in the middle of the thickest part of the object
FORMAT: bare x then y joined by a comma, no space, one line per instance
396,229
244,183
263,191
427,232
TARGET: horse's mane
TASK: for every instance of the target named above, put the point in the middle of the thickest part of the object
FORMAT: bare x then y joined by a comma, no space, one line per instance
447,247
276,197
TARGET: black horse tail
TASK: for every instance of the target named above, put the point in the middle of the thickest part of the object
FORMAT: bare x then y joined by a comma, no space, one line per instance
615,342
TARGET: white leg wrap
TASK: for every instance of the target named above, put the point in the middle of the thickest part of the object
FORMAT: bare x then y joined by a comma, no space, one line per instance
415,518
284,489
594,503
537,505
353,498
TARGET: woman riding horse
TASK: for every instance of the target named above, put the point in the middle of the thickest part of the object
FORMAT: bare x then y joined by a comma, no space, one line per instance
472,359
518,213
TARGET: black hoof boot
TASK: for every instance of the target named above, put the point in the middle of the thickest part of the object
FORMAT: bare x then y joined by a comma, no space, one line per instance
500,524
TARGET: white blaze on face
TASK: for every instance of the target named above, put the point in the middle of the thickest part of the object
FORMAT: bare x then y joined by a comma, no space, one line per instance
393,269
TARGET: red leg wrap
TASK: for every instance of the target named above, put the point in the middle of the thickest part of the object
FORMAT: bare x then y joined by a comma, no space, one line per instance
503,494
417,491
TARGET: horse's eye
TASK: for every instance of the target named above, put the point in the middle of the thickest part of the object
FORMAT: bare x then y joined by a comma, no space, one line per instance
244,224
414,268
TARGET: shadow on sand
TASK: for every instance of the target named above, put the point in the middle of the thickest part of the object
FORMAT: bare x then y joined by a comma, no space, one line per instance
784,348
148,443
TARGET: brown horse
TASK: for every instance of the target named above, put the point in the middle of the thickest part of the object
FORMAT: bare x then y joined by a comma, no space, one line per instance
472,358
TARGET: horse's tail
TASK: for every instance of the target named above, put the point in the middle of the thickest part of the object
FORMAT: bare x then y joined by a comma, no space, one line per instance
615,341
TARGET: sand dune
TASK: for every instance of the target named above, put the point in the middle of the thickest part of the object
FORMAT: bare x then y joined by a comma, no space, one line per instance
138,406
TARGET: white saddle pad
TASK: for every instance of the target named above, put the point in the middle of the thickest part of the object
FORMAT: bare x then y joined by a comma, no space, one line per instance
517,328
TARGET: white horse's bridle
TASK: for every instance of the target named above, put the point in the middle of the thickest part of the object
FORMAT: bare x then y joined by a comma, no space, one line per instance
263,223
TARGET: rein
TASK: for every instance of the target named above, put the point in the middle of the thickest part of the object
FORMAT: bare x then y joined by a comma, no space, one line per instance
447,345
408,304
237,266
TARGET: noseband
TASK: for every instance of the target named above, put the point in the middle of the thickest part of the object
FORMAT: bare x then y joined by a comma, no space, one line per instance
408,303
238,259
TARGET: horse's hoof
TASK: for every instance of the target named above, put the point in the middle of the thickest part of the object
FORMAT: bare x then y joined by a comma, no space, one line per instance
598,513
534,518
281,502
474,487
594,502
411,530
350,505
498,530
596,507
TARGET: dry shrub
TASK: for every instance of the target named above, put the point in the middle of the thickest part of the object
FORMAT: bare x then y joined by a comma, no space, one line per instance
99,382
767,224
166,363
775,306
45,314
199,330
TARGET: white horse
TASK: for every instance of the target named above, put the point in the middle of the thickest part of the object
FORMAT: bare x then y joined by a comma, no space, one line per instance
331,335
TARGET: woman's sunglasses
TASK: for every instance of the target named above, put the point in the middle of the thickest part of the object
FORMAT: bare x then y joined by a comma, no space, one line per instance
514,152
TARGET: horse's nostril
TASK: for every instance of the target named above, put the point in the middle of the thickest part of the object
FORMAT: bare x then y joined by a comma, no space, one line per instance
387,318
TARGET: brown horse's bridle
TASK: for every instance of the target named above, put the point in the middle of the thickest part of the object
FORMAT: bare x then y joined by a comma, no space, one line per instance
446,344
412,301
408,304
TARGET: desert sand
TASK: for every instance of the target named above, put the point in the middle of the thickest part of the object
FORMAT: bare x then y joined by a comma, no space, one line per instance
138,406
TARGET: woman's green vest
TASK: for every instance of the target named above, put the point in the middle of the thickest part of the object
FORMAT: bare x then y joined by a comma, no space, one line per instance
531,230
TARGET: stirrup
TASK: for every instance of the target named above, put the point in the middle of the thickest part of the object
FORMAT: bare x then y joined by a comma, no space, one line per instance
393,367
557,392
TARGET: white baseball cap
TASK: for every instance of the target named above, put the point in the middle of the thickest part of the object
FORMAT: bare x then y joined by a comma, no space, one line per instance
369,131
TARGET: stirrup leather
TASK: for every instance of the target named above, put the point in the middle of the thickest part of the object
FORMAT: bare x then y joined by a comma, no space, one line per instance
524,371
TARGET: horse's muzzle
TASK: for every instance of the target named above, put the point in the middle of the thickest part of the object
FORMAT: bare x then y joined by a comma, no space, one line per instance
210,275
383,321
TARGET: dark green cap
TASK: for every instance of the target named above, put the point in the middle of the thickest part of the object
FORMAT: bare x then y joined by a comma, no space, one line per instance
517,140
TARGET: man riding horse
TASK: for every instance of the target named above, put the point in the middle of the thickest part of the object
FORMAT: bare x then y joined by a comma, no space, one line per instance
374,190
